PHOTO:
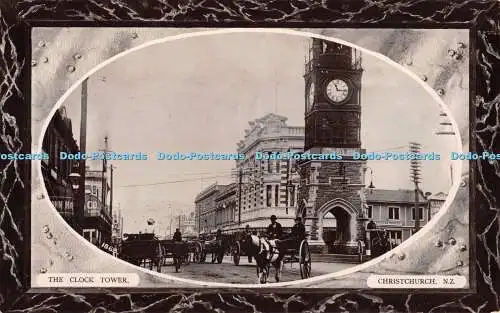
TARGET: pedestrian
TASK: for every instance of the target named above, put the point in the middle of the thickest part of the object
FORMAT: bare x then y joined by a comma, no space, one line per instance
274,230
247,239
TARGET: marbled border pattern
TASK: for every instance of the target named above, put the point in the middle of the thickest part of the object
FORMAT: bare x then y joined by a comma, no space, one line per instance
481,15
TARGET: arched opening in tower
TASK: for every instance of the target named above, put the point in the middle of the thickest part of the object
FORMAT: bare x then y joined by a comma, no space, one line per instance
336,228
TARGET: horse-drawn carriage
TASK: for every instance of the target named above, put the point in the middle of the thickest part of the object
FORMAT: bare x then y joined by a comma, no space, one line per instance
142,250
268,252
239,248
217,247
178,251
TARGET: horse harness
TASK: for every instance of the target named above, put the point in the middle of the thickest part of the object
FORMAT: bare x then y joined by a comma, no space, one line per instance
269,246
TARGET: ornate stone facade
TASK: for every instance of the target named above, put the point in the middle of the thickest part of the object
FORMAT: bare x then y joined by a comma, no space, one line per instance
264,190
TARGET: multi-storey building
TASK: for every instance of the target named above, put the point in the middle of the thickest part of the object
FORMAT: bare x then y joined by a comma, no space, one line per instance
59,138
394,211
97,225
226,213
268,186
205,204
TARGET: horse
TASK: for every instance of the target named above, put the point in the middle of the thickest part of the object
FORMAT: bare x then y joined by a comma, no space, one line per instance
219,251
266,253
380,243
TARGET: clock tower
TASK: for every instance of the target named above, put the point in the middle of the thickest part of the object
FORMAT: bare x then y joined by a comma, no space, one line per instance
331,191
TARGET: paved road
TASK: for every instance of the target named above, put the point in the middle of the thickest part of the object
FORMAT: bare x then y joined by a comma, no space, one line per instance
245,273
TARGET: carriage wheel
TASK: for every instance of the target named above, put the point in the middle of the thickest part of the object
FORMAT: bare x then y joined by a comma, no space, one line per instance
305,260
236,254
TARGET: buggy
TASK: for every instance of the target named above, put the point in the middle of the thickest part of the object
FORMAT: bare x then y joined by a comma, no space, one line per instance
142,250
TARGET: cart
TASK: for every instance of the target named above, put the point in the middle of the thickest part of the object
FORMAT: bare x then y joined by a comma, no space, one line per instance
218,248
143,250
300,254
177,250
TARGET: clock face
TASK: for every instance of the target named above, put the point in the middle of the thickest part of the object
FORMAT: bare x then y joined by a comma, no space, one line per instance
310,96
337,90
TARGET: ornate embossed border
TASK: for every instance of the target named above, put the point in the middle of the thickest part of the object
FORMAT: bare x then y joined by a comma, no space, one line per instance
480,16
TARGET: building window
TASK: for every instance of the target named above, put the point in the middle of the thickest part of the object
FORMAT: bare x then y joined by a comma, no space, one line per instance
276,195
421,213
369,211
292,196
277,166
393,213
395,237
269,166
268,195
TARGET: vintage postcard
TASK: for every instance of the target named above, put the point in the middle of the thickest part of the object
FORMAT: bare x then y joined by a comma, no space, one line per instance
248,158
279,156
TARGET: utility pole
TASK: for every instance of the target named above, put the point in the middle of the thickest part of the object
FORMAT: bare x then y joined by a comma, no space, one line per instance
240,184
179,222
288,187
104,184
80,205
111,192
415,166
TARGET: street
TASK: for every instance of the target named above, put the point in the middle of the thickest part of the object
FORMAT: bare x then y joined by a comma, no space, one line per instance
245,273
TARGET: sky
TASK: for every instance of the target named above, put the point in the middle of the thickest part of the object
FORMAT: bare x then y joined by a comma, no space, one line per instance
198,95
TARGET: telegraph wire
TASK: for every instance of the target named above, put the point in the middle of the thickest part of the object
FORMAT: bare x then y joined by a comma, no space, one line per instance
177,181
227,174
388,149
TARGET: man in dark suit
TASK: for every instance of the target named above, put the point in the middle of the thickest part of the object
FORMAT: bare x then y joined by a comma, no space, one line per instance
298,230
292,240
274,230
177,235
